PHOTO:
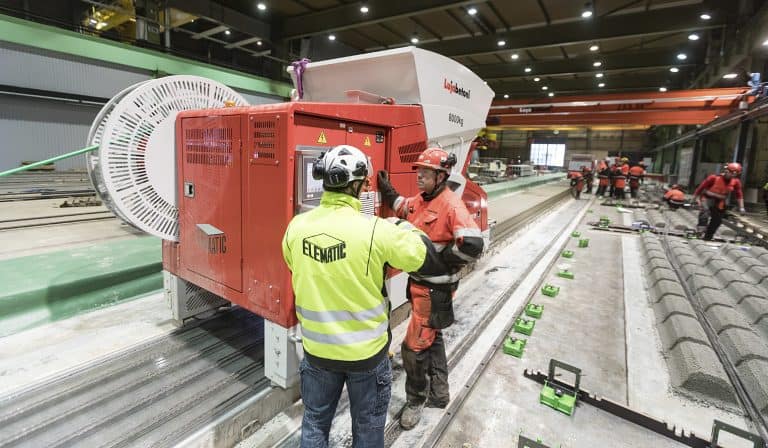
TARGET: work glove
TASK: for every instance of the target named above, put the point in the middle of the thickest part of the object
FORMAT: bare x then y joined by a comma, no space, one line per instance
388,192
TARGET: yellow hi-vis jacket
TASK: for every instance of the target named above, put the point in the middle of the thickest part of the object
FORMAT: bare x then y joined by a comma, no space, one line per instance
337,256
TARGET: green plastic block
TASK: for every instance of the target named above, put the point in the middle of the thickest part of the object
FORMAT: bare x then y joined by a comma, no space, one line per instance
514,346
584,242
524,326
567,254
558,399
604,222
565,273
533,310
550,290
575,234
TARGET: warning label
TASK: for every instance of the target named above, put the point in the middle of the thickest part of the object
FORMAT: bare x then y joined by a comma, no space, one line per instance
367,141
321,138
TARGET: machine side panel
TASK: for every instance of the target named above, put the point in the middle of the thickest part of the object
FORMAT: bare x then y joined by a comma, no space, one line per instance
210,205
405,146
268,207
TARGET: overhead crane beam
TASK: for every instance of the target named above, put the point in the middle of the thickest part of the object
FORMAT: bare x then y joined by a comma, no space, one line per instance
685,107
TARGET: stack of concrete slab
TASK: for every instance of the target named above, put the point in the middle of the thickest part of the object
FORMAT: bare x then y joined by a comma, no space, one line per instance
693,365
730,286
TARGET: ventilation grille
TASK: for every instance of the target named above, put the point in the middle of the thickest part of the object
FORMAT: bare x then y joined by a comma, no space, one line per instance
410,153
198,299
208,146
264,142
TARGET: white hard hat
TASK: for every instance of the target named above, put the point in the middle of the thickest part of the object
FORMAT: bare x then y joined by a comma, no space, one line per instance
340,166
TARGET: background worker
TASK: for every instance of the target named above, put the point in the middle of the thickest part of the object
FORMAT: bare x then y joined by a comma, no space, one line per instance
603,178
441,214
337,257
674,197
620,178
577,183
765,197
636,174
588,178
712,196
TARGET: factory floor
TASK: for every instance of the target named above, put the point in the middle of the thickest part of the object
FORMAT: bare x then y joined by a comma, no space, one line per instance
601,321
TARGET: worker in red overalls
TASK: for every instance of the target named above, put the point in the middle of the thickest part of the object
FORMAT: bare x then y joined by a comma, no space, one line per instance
577,183
620,178
636,174
603,178
674,197
712,197
588,177
441,214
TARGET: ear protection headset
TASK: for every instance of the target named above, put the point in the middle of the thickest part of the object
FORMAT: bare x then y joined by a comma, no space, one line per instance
337,175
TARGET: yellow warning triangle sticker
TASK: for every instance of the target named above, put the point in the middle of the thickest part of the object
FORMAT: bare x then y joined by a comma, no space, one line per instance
322,138
367,141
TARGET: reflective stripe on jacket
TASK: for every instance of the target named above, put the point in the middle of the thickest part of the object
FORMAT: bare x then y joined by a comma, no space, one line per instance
337,257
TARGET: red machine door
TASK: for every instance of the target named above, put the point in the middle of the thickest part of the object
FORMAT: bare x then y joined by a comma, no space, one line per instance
210,203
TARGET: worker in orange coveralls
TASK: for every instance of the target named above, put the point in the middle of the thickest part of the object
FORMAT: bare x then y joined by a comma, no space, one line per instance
674,197
577,183
620,178
636,174
714,191
441,214
588,177
603,178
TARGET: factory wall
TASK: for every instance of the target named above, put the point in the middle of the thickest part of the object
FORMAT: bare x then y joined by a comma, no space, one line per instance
514,144
48,101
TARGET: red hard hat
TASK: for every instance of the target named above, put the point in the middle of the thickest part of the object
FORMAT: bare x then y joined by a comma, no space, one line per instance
733,166
436,159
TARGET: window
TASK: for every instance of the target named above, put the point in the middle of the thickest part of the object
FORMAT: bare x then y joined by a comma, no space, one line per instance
549,154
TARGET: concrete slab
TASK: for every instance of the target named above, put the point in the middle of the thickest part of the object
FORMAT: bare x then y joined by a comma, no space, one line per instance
696,371
671,305
742,344
678,328
754,373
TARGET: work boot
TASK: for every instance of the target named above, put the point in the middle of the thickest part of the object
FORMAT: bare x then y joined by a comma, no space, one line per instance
411,415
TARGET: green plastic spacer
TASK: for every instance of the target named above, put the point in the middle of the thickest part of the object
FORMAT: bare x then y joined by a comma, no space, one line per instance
514,346
604,222
524,326
557,395
550,290
575,234
584,242
565,273
567,254
533,310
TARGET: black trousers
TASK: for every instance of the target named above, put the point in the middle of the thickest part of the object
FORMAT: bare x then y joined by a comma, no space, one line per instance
710,216
427,369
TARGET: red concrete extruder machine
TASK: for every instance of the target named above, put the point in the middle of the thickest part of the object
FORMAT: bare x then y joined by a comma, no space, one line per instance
186,159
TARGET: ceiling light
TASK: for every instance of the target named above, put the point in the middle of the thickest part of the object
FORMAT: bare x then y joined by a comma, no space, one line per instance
414,40
705,16
93,21
259,43
506,96
485,82
602,84
261,7
662,89
364,9
765,43
730,76
597,64
331,37
594,48
544,88
674,69
227,32
515,56
101,25
586,14
472,11
693,36
501,43
598,75
537,79
682,56
527,70
551,93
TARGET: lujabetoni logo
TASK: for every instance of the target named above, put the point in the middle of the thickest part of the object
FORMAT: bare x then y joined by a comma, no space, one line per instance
324,248
453,87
